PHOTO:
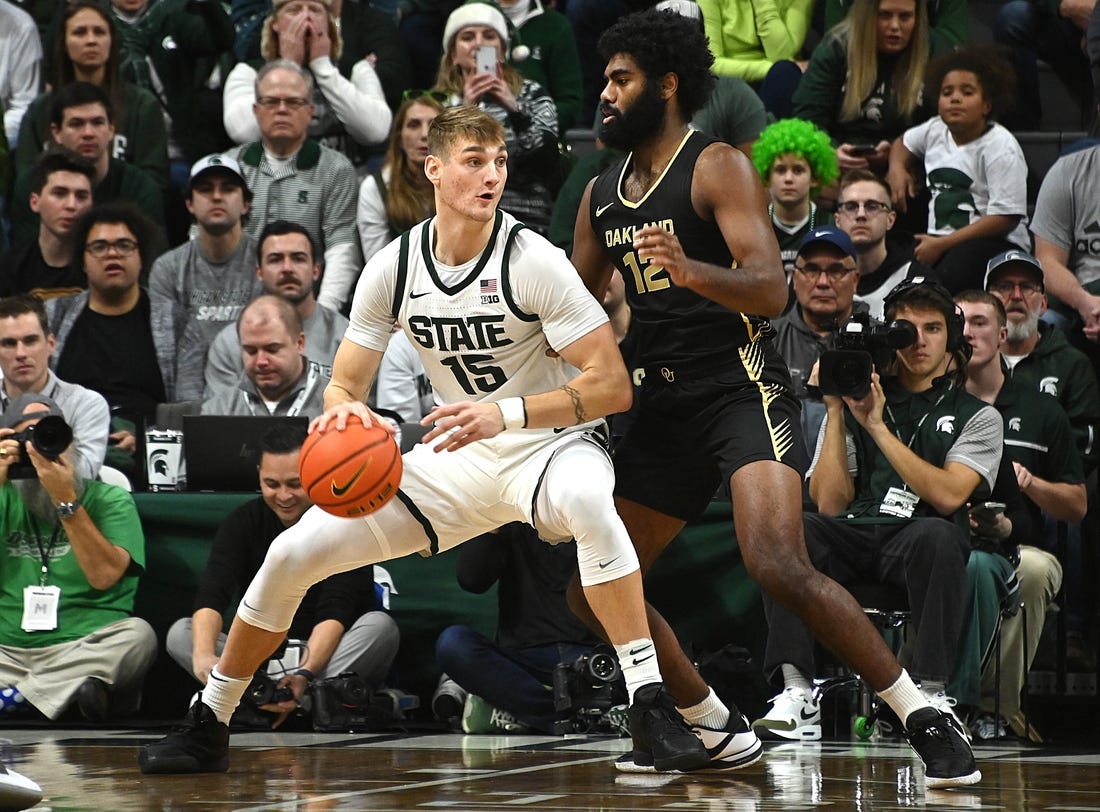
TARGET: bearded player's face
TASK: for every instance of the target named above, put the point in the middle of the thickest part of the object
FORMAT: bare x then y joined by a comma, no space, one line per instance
630,104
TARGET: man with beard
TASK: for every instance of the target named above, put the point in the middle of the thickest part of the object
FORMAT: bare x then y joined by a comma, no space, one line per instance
72,555
287,267
1039,356
278,378
212,277
716,400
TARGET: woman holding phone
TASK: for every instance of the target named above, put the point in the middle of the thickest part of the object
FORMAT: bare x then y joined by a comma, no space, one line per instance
863,84
474,71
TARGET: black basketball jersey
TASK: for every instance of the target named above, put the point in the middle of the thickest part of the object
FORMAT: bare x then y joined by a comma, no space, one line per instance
675,325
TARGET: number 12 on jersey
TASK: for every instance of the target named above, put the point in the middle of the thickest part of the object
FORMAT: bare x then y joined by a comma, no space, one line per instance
646,274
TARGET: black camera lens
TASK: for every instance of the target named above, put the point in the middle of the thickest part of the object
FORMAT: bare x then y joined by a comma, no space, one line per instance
351,691
603,667
50,436
845,373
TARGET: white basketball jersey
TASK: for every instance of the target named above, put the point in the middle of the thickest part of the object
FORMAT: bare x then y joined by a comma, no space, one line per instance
482,329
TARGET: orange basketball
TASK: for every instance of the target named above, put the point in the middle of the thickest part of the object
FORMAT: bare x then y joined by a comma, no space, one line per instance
351,472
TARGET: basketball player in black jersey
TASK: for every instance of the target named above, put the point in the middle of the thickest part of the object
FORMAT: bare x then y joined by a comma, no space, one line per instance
684,220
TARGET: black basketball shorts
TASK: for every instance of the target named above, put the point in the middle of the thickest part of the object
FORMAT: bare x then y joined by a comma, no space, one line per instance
690,436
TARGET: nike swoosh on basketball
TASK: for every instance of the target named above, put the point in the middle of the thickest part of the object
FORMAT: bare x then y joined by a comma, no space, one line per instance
340,490
601,209
418,295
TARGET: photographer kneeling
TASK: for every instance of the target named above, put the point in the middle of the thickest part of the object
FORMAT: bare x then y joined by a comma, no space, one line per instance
72,555
540,671
891,476
349,641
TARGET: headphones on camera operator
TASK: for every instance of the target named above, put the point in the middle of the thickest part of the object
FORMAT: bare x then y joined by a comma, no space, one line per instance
956,321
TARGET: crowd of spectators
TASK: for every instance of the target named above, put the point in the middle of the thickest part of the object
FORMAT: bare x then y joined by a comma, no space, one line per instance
192,192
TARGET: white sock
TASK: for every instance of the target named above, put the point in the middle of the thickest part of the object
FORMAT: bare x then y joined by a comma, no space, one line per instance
904,697
223,694
638,660
794,678
711,712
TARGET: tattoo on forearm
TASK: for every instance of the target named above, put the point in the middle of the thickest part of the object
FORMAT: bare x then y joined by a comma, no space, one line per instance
578,406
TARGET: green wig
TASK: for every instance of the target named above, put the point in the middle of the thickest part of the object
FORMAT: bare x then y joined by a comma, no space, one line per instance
796,136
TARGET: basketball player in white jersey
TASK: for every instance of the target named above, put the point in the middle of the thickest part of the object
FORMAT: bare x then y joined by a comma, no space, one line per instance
482,299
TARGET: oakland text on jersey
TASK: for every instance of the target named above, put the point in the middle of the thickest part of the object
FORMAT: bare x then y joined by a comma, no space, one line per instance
459,334
625,235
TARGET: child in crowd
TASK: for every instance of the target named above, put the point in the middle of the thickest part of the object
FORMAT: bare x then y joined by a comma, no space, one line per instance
795,159
974,168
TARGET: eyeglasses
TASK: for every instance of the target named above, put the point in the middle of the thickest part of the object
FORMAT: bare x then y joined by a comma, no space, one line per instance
872,207
834,272
1006,288
413,93
99,248
273,102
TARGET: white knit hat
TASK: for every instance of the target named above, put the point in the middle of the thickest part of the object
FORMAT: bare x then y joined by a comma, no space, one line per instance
475,13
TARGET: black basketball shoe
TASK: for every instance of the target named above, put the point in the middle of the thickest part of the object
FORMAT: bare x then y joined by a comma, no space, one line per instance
662,740
199,745
941,744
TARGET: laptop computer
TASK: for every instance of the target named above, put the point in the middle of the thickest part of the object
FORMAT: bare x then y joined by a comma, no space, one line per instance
222,451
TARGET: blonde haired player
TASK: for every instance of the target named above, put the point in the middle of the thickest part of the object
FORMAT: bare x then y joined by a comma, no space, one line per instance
518,439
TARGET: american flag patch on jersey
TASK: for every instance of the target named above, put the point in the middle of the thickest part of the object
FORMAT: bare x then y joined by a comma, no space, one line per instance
488,286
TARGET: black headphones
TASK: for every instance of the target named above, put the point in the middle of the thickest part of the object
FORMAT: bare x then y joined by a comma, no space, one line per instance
956,321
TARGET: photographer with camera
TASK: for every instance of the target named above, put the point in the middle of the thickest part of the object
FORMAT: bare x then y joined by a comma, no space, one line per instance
891,476
340,618
26,346
538,641
69,566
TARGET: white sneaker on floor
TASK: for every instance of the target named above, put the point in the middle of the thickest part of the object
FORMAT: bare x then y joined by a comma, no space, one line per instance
794,715
946,704
17,791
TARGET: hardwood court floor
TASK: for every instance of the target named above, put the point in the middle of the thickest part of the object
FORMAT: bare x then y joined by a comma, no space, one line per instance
95,770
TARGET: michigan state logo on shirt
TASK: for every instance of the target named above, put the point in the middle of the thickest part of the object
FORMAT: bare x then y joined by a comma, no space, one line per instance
946,424
303,197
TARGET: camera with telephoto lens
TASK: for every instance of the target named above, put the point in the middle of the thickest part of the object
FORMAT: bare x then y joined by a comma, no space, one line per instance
50,436
345,703
587,689
862,344
263,690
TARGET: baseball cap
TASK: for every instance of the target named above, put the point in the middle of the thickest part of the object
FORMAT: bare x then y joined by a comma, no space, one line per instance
13,415
1021,260
831,235
220,163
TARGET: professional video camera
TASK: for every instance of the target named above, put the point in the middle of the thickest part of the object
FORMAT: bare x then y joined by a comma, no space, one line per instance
346,703
50,436
588,688
861,344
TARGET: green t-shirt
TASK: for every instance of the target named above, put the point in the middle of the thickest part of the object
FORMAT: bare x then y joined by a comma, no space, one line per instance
82,608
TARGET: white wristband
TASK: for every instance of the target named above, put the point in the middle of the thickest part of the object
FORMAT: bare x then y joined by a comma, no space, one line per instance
514,413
